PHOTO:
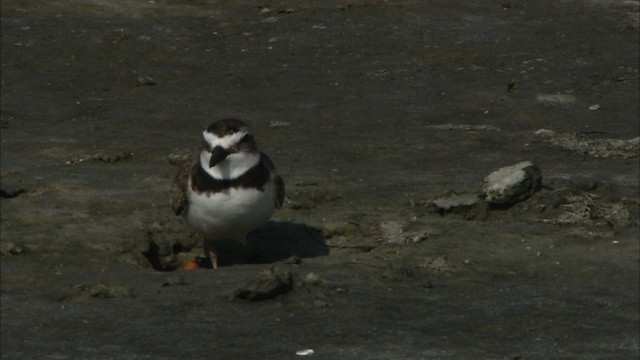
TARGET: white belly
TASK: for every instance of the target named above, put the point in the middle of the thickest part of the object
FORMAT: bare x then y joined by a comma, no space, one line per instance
230,214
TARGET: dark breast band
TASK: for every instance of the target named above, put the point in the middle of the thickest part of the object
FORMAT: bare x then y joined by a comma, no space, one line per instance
256,177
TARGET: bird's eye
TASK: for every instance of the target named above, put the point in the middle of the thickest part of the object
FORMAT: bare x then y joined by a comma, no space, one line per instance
245,138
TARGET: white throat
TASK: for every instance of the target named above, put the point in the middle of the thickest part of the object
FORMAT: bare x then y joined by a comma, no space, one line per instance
232,167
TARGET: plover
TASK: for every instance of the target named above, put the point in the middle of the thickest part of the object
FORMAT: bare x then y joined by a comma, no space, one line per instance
229,189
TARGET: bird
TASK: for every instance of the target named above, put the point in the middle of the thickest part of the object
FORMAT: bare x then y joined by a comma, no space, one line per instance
227,189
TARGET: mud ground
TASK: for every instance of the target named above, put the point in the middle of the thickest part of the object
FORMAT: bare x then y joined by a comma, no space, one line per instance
370,110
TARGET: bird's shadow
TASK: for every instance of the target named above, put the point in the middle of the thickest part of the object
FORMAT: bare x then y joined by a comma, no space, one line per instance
279,240
276,241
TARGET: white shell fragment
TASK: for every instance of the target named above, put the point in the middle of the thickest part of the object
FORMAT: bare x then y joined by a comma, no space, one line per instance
305,352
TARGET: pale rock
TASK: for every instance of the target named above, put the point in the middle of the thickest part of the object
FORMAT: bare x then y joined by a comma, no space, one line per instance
511,184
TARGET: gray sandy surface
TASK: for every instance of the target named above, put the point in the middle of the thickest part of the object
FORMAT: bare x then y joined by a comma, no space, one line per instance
370,111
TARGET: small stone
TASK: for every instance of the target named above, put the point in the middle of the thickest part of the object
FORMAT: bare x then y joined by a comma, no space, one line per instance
511,184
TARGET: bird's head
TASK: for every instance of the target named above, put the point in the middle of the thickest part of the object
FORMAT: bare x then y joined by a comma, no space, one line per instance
226,137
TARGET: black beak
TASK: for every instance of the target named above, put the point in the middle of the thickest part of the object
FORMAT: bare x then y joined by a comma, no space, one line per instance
217,155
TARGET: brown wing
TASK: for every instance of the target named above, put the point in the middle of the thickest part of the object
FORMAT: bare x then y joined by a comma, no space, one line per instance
278,183
179,201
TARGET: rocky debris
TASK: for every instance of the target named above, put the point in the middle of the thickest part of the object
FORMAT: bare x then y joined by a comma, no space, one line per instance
584,210
469,206
267,285
511,184
583,145
503,187
393,233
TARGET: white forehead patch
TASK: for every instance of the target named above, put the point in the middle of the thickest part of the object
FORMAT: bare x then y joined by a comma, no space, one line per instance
225,141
